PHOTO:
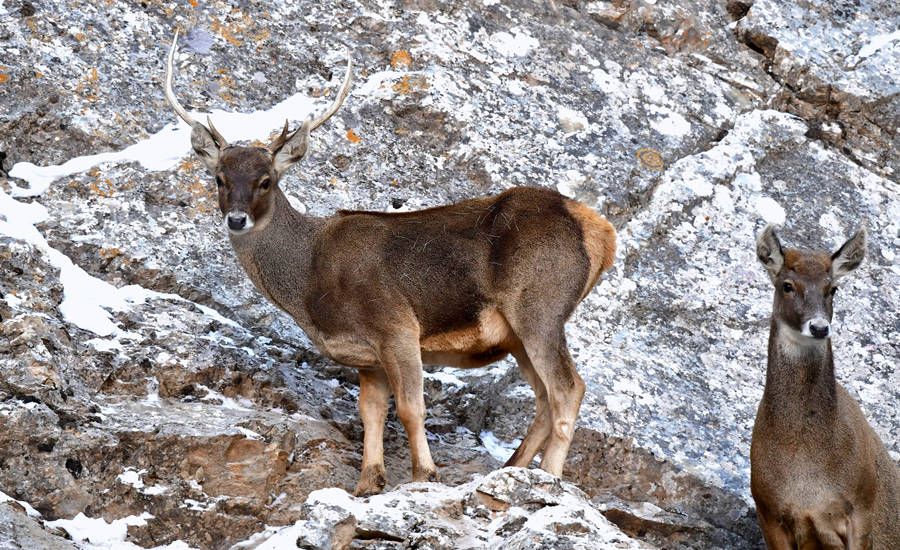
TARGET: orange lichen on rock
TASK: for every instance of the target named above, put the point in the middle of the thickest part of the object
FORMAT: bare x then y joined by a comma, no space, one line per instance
352,136
4,77
110,252
401,57
409,84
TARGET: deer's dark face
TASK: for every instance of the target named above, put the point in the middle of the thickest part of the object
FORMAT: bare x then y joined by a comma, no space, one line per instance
805,283
244,179
804,290
246,176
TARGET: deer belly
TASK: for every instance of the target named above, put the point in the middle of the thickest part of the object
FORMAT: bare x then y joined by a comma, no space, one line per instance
491,336
347,351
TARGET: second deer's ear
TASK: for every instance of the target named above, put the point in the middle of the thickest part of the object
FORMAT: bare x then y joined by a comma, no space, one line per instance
204,144
849,255
288,149
769,251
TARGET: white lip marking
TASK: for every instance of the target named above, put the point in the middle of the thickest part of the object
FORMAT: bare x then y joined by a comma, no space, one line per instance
819,321
794,342
237,213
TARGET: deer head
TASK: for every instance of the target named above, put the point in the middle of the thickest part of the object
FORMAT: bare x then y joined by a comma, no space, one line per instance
805,282
246,175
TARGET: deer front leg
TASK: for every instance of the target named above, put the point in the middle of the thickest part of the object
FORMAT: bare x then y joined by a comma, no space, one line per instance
374,393
539,431
775,535
402,362
835,528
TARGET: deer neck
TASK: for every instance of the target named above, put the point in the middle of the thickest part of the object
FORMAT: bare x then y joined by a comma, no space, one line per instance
276,253
801,390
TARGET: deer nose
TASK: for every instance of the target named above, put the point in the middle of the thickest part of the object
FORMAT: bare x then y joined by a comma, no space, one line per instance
819,328
236,220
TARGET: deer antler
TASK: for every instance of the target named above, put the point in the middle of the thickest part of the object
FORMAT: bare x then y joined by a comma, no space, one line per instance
342,94
173,101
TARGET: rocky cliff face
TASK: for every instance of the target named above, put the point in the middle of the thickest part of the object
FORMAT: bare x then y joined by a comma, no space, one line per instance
149,393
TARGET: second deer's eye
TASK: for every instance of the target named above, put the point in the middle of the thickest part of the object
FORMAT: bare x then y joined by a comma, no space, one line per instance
264,183
787,287
219,182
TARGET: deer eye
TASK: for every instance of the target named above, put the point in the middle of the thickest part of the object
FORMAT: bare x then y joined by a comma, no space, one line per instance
219,182
787,287
264,183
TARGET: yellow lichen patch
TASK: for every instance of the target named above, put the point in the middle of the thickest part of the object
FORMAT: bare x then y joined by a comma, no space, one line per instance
352,136
188,165
110,252
401,57
401,131
231,31
98,187
410,83
320,92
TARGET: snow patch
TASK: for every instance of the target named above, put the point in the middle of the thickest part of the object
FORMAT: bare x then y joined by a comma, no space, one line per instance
28,508
445,377
670,124
770,210
501,450
877,42
103,535
164,149
132,477
508,45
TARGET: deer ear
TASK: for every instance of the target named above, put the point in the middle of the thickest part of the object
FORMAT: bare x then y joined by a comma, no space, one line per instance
849,255
288,149
769,251
205,146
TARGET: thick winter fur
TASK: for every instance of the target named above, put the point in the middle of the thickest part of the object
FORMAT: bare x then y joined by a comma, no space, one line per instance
461,285
820,476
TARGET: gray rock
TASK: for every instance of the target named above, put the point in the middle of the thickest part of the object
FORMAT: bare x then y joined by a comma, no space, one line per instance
18,531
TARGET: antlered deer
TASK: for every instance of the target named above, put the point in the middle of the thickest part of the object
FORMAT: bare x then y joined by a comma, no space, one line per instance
461,285
820,476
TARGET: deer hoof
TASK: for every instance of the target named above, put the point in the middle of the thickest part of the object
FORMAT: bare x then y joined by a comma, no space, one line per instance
431,476
371,482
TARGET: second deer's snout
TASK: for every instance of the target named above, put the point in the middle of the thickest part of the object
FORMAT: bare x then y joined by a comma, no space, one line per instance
238,221
818,328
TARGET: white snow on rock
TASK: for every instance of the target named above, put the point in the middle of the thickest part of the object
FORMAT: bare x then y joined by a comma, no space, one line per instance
769,210
98,534
519,45
877,42
29,509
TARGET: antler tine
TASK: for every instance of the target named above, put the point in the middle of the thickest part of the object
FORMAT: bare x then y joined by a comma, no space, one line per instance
342,94
220,139
170,95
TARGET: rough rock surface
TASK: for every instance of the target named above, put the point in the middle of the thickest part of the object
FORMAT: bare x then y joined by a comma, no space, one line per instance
187,401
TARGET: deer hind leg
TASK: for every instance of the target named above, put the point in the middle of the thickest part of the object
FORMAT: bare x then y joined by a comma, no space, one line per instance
402,362
565,388
374,393
539,431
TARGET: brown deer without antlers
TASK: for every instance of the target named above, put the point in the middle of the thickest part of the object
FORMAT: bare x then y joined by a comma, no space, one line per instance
820,476
461,285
